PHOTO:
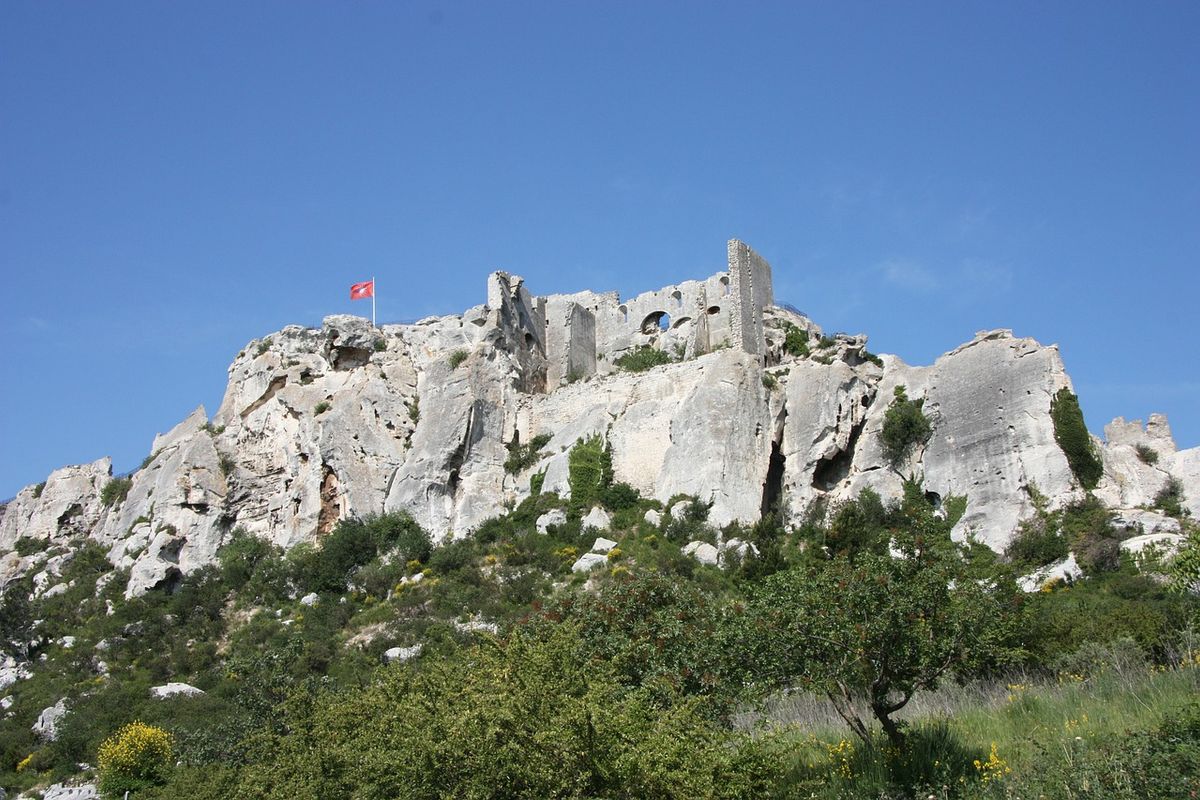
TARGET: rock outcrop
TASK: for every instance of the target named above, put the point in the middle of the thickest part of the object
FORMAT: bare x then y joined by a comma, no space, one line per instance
348,419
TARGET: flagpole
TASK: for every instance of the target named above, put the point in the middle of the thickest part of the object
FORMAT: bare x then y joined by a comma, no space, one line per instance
372,301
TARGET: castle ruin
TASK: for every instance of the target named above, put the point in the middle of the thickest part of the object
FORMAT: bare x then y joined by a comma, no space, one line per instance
561,338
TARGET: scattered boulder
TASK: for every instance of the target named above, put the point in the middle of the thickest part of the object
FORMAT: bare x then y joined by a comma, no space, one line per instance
602,545
703,552
555,516
736,549
589,561
310,599
598,519
653,517
1148,521
1065,570
172,689
477,625
401,654
11,671
1166,543
47,723
61,791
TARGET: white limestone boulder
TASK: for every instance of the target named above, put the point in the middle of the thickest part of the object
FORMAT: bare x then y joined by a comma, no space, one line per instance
174,689
555,517
703,552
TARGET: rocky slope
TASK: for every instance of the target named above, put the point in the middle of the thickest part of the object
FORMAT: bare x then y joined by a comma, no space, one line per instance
351,420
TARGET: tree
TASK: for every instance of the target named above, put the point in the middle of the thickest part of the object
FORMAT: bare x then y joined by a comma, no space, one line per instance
873,631
904,427
136,757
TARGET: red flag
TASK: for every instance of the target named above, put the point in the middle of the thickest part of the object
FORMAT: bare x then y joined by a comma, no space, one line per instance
361,291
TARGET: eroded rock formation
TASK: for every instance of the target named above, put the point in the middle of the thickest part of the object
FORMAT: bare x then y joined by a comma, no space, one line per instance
349,420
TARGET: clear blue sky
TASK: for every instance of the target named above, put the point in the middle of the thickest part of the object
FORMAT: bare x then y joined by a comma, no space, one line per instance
179,178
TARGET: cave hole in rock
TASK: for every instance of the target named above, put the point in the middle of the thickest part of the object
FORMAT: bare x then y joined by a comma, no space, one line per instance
773,486
624,313
677,297
171,581
656,322
714,310
832,470
680,321
725,284
934,499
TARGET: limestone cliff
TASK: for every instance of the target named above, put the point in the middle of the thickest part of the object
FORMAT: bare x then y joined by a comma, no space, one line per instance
348,420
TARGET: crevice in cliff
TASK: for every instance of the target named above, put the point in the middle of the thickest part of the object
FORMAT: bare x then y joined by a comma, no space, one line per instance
329,513
833,469
772,493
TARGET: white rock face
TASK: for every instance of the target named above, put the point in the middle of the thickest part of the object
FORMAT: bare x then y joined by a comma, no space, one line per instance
553,517
349,420
173,689
402,654
1065,570
653,517
597,519
48,721
703,552
310,599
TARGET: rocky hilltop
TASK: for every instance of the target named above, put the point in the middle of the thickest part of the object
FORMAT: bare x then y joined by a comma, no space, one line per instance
749,405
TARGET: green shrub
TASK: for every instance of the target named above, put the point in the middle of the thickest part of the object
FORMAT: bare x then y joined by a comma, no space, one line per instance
1169,499
825,342
904,427
523,456
589,471
795,341
1073,438
263,346
380,345
27,546
135,757
536,480
642,359
457,358
38,489
1147,455
115,491
769,382
414,409
874,359
321,408
227,464
1038,542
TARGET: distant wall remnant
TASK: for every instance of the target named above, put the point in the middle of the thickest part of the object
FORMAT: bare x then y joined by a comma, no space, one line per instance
750,284
577,335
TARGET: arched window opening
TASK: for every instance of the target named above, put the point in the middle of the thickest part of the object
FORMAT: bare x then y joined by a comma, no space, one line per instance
656,322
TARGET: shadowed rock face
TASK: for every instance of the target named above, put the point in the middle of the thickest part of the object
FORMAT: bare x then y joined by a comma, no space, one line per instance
317,425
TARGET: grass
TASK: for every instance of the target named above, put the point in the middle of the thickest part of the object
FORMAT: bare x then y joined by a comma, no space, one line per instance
1034,732
642,359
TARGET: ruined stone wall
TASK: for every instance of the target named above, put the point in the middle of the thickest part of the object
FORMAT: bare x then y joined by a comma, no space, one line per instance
750,283
520,323
570,338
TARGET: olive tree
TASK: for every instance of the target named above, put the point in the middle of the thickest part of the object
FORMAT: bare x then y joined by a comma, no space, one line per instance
871,632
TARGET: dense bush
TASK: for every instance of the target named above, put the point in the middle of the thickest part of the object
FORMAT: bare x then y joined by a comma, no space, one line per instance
519,718
1072,436
1146,454
135,757
795,341
115,491
589,471
642,359
523,456
905,426
1169,499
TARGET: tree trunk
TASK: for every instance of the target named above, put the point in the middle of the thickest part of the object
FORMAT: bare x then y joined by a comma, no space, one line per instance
890,727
